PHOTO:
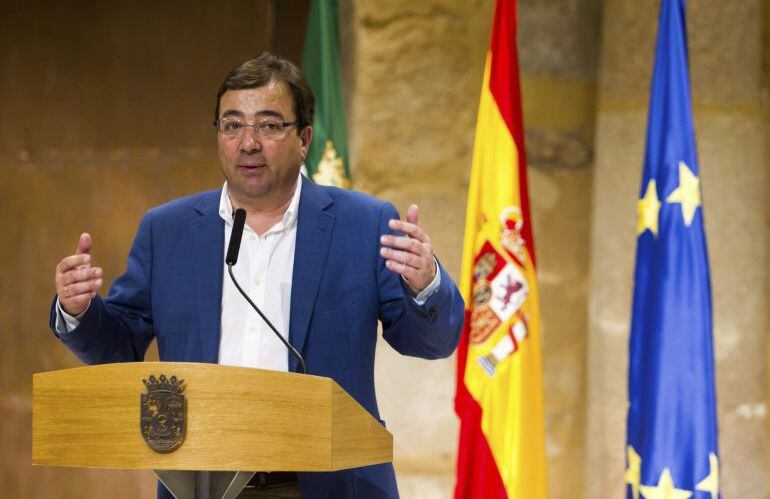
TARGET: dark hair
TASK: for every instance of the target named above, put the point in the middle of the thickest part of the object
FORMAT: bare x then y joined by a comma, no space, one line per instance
265,68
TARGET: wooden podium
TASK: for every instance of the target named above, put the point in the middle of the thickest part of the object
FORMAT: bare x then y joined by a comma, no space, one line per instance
237,421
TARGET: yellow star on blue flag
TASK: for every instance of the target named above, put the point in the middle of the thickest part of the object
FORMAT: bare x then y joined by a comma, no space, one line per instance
647,210
633,472
664,489
687,193
710,484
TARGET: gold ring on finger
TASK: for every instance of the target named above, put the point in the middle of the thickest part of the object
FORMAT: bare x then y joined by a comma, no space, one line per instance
64,291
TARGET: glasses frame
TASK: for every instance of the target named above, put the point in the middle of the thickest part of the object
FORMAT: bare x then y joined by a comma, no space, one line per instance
284,124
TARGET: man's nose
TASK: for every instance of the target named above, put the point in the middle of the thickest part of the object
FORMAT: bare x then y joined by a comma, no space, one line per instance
250,140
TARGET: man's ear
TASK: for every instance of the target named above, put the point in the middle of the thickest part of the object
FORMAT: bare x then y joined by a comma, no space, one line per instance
306,135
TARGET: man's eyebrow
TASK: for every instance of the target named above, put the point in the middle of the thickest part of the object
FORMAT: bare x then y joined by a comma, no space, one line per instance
232,112
269,112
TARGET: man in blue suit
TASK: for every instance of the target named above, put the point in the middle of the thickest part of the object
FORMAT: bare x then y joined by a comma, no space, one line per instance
325,264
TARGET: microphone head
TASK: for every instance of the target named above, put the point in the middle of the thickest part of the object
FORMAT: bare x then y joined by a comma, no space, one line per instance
239,220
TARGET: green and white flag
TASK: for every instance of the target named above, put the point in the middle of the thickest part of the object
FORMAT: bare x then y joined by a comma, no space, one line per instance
327,160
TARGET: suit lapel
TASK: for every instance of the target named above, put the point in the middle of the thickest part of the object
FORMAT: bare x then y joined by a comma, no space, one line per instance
209,234
314,231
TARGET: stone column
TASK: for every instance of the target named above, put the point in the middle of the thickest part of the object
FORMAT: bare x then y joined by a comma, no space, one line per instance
413,71
558,46
725,59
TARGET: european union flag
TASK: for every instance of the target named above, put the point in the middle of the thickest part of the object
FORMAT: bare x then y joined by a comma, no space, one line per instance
672,422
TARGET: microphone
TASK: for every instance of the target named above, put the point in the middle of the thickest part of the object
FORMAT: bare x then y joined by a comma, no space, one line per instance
233,247
239,220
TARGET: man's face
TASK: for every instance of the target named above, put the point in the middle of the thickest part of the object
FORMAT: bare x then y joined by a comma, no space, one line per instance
259,168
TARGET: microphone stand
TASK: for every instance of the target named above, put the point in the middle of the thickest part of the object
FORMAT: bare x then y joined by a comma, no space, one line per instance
270,324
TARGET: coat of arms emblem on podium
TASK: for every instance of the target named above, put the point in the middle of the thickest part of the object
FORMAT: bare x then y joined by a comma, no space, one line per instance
163,413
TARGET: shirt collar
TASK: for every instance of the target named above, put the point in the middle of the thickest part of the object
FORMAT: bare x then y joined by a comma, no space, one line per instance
289,217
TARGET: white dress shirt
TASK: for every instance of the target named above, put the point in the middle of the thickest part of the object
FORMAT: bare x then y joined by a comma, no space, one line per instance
264,271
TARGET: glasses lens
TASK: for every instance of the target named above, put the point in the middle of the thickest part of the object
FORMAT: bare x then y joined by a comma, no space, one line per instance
230,127
270,128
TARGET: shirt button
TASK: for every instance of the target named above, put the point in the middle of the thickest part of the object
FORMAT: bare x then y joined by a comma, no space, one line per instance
252,237
257,281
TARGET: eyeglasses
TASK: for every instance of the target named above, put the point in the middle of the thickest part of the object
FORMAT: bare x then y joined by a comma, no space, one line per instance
268,128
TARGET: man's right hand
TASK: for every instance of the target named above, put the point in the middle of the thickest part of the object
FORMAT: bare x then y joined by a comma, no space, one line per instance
77,282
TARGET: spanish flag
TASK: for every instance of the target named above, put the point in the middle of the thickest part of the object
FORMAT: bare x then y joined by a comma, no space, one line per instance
499,382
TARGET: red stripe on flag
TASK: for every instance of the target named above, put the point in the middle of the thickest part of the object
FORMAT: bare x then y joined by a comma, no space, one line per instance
477,473
506,90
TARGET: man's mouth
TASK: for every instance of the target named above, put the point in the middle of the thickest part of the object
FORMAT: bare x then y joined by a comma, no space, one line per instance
251,166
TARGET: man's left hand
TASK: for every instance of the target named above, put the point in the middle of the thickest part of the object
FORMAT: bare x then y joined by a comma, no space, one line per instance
410,255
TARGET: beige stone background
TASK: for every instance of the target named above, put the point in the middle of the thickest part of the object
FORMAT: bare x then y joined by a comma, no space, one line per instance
105,111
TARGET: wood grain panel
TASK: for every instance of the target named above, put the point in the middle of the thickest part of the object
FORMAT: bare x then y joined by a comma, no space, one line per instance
356,439
237,419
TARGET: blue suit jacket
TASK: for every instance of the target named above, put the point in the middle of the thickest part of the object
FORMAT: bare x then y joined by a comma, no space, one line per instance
172,290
